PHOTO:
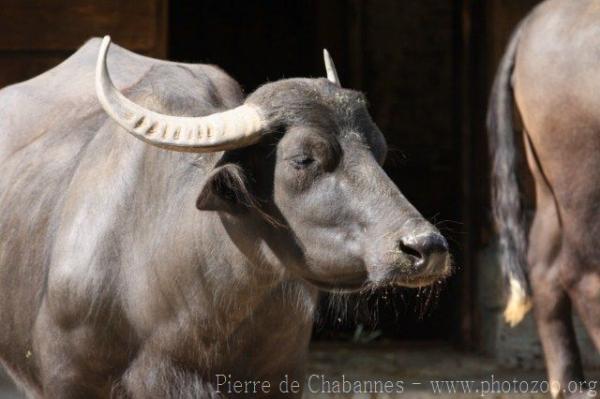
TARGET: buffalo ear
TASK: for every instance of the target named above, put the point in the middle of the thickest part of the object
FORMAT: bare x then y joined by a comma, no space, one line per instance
225,189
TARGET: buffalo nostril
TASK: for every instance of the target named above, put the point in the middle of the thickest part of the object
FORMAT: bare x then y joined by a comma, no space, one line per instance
408,250
424,248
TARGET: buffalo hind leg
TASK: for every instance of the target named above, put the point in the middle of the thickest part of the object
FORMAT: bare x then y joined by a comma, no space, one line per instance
551,303
552,309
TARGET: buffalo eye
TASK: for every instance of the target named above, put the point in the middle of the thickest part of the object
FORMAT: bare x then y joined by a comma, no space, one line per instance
302,161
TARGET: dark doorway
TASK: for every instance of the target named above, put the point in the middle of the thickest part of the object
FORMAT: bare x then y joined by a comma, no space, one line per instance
404,55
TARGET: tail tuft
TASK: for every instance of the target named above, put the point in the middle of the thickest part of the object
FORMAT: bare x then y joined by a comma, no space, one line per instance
518,304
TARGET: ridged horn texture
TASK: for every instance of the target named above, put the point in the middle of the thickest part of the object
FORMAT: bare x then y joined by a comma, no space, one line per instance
238,127
332,75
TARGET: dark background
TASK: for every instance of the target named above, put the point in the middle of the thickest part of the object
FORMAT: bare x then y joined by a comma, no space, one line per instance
425,66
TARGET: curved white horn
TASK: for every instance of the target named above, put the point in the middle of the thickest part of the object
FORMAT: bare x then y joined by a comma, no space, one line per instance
234,128
332,75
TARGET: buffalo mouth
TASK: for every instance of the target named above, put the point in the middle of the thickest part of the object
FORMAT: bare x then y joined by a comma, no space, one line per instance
355,284
416,281
398,278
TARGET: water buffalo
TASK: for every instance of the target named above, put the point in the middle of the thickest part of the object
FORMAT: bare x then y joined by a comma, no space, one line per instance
550,70
148,254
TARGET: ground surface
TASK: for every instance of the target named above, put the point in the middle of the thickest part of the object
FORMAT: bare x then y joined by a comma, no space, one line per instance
424,371
419,371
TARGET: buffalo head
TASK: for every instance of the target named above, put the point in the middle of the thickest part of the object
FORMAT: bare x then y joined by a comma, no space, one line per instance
300,184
